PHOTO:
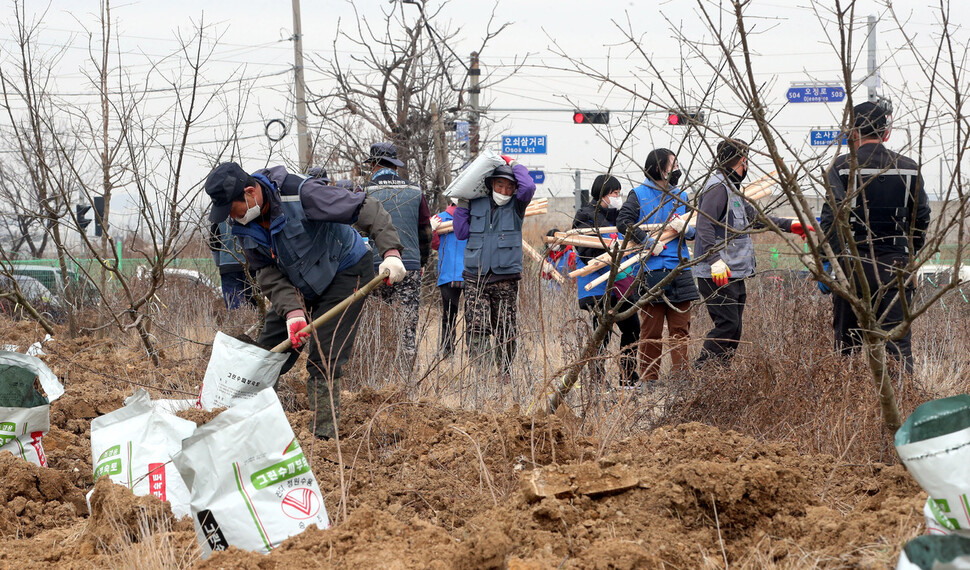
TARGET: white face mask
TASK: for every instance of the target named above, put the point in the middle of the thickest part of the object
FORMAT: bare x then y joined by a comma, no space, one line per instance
616,202
500,199
250,215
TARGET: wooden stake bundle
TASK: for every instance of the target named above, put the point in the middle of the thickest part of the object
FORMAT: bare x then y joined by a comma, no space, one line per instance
760,187
538,257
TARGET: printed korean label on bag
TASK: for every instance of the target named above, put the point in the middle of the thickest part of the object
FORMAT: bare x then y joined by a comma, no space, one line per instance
24,411
251,484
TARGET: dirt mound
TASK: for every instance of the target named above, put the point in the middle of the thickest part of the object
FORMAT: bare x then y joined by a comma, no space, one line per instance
35,498
120,519
684,497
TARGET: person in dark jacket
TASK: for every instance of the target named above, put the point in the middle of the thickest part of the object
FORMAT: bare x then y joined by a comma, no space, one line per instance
493,261
724,248
412,219
601,212
297,238
451,263
230,259
889,215
659,200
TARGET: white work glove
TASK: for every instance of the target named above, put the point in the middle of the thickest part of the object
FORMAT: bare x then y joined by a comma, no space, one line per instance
395,266
720,273
677,224
295,322
657,247
435,222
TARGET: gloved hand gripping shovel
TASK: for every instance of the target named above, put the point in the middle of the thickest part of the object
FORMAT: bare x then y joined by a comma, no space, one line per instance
338,309
238,369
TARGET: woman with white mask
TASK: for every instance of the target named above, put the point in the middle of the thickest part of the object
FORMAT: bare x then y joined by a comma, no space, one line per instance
601,212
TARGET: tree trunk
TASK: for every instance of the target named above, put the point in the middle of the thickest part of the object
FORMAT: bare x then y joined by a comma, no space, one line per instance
879,373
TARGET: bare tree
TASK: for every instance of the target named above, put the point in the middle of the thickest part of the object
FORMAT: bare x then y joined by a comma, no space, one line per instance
131,143
405,88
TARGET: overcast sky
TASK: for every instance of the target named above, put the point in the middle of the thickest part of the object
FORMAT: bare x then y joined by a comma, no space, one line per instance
790,45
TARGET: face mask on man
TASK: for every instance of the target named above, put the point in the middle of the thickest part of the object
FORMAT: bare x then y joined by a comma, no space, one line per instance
251,214
616,202
738,177
500,199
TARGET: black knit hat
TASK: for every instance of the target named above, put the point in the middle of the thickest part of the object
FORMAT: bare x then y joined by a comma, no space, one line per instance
870,119
728,151
603,185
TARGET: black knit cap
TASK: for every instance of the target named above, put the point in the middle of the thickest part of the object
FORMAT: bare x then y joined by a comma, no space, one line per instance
225,185
603,185
870,119
729,150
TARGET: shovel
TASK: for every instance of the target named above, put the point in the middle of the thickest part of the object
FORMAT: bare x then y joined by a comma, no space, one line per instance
238,370
336,310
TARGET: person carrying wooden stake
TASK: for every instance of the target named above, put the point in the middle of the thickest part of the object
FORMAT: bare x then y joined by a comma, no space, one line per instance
601,212
723,240
451,263
559,259
492,225
659,200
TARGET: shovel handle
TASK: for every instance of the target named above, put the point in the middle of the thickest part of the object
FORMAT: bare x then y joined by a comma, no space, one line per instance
336,310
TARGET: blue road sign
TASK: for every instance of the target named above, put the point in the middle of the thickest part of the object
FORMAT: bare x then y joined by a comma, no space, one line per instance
826,94
523,144
827,137
462,130
538,176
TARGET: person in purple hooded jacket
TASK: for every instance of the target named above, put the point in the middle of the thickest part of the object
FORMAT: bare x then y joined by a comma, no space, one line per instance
493,261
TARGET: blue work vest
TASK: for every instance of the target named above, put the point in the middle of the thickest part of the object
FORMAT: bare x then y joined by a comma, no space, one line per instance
451,255
657,207
494,240
309,252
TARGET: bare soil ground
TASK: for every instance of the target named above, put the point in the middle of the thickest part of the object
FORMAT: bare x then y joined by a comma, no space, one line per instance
428,486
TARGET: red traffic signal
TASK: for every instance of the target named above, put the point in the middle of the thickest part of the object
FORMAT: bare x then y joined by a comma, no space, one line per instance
685,118
591,117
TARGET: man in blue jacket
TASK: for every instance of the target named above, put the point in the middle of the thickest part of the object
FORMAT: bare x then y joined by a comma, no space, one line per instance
411,217
659,200
493,261
297,238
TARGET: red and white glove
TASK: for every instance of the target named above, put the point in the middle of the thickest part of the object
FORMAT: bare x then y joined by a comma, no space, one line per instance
296,322
509,160
720,273
435,222
798,229
677,224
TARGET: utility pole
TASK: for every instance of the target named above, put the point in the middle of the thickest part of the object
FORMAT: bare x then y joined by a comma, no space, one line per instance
474,73
579,189
302,132
873,80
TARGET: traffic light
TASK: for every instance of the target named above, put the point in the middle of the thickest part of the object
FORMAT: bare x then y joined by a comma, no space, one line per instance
98,215
684,118
591,117
82,222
